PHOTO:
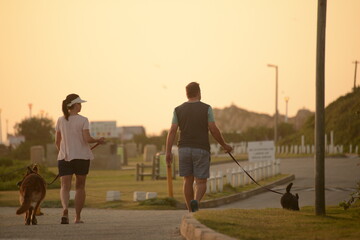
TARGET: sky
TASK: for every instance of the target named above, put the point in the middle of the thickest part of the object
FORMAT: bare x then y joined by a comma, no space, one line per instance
131,59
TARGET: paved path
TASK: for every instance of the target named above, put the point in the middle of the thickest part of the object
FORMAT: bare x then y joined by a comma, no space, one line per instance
341,176
100,224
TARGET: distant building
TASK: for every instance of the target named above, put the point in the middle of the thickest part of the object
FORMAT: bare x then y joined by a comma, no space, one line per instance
15,140
105,129
127,133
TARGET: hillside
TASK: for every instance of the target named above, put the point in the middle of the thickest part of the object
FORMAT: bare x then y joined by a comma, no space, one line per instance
235,119
341,116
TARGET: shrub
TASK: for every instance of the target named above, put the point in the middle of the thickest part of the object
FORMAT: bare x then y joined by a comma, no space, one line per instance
13,171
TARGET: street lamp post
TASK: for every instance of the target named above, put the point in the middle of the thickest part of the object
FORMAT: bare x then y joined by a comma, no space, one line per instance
276,101
286,112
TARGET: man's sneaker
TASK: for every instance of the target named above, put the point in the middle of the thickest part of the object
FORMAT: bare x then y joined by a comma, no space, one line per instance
194,205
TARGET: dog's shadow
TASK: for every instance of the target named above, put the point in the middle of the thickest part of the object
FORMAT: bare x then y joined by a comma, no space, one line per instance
290,201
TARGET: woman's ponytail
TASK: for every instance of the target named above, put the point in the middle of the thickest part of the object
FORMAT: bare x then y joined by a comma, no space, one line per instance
65,108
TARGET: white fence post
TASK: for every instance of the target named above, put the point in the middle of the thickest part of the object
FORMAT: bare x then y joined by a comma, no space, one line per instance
234,179
228,176
241,177
274,167
212,182
255,174
208,186
261,171
277,166
220,182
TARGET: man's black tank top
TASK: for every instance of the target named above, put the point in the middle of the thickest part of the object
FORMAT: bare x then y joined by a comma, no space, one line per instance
193,123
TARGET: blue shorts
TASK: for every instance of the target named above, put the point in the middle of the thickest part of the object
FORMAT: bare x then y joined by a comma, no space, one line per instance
194,162
75,166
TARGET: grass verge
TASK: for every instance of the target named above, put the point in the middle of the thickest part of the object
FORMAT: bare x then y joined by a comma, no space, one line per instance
282,224
100,181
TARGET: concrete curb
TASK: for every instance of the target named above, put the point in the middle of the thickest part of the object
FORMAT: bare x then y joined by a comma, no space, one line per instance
191,229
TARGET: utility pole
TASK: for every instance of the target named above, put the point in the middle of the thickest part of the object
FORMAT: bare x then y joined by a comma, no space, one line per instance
1,141
356,63
320,111
276,101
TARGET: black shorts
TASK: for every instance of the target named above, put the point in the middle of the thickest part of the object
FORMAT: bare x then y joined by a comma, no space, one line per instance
75,166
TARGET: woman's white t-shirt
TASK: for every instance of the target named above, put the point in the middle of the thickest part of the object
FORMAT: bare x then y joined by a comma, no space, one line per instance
73,144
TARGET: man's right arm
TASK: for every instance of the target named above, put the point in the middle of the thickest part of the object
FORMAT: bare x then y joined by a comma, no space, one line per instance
170,141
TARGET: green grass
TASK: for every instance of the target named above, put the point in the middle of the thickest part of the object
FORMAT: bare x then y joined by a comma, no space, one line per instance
284,224
101,181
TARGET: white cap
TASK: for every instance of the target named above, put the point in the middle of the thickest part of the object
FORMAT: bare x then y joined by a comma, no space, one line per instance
76,100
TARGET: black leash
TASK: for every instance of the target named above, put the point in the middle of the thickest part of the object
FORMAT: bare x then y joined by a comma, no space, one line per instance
57,176
252,177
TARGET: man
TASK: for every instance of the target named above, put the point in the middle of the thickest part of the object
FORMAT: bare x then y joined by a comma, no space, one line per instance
195,119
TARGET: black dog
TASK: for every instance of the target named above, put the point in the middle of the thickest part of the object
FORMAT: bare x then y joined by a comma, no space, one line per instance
290,201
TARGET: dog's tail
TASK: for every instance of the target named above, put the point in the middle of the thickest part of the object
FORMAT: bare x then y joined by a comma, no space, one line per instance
289,187
24,206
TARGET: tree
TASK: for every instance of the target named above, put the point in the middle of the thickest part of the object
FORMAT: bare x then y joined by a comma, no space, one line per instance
37,131
4,150
285,129
259,133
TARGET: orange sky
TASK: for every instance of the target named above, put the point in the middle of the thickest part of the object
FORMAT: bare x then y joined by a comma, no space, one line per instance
132,59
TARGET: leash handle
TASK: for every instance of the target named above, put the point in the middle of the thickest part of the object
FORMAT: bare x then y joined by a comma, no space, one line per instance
252,177
97,144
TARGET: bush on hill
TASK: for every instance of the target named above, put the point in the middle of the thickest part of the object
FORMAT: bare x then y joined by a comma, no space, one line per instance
341,116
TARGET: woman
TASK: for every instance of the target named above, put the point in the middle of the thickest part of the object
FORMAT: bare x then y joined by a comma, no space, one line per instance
72,141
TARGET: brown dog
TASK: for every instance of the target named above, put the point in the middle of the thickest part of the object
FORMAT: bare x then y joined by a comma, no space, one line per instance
32,191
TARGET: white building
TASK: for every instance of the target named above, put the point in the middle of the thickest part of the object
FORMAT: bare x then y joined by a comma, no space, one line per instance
128,132
105,129
15,140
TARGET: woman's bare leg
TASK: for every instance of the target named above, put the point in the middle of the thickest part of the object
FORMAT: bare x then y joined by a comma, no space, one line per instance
79,196
65,193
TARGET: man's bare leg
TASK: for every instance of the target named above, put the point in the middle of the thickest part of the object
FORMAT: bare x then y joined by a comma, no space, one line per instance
200,189
188,190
